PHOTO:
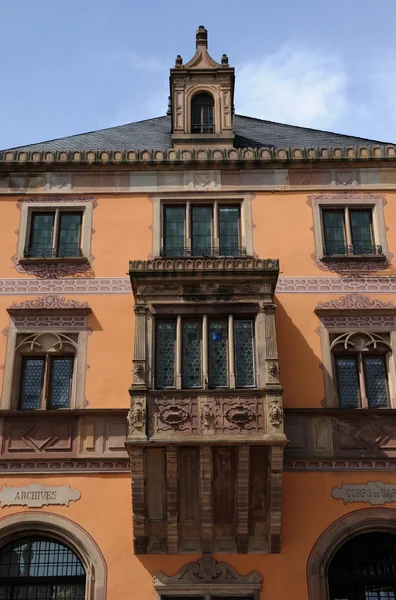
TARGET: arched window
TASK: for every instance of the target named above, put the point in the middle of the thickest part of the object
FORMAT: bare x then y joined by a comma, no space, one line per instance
202,120
39,568
364,568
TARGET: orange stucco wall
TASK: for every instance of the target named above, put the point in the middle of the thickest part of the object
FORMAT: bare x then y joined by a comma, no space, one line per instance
123,231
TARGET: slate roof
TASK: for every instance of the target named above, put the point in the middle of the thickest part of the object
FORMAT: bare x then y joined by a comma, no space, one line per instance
156,134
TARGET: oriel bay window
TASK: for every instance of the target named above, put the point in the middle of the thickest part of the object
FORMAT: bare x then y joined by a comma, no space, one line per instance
54,234
204,353
349,231
202,230
361,369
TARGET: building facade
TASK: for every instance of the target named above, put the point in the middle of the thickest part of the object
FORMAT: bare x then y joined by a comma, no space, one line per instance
198,378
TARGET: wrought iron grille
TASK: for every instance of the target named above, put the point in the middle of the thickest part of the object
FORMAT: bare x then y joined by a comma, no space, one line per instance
66,251
365,567
352,250
203,252
34,568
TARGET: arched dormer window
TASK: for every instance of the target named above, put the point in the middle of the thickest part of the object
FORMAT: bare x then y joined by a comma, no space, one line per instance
202,114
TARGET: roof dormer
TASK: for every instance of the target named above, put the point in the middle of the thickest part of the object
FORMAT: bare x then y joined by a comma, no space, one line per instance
202,96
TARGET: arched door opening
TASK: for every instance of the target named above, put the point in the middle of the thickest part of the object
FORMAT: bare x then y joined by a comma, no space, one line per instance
40,568
202,119
364,568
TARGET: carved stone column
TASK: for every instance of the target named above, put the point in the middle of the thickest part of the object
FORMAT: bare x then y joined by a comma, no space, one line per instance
271,350
139,370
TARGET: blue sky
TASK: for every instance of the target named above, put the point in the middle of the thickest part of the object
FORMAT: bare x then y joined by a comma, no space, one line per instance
70,66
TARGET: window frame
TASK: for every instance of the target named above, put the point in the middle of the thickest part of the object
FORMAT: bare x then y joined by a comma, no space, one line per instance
215,202
55,235
205,319
348,231
328,364
28,208
48,358
202,125
10,398
359,357
352,201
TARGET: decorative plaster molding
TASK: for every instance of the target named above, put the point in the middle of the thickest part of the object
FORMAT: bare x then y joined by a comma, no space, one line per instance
348,266
185,156
122,285
354,302
52,270
65,466
50,302
351,322
340,465
207,570
34,321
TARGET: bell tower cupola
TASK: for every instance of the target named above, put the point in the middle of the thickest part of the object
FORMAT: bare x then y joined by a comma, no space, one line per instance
201,99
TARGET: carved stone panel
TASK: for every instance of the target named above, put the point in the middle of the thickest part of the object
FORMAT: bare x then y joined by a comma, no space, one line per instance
173,415
37,495
238,414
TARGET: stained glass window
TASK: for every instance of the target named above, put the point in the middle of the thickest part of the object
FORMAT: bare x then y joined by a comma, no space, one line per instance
229,230
244,356
69,234
375,378
34,568
60,381
41,234
174,231
334,231
218,364
361,231
32,382
201,230
348,381
192,336
165,354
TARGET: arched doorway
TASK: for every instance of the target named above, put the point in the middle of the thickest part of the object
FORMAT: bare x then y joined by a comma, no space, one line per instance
359,523
40,568
364,568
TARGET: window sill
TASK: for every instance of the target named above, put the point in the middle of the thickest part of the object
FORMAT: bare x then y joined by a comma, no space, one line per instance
53,260
349,257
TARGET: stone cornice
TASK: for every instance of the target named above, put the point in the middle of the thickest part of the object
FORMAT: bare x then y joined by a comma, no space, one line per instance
171,156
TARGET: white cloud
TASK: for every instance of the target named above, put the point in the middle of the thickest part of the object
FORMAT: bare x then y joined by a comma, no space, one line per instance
293,85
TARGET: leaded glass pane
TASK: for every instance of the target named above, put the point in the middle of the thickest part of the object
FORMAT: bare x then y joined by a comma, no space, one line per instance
334,232
165,354
375,378
201,230
32,382
244,357
218,371
348,381
69,234
41,234
361,231
229,230
60,383
174,231
192,335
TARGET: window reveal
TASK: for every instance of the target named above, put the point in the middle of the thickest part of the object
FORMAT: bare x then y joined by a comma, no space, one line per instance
206,350
54,234
361,370
202,230
349,231
46,382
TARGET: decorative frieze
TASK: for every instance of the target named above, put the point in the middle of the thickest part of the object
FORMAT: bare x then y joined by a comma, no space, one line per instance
242,263
355,302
